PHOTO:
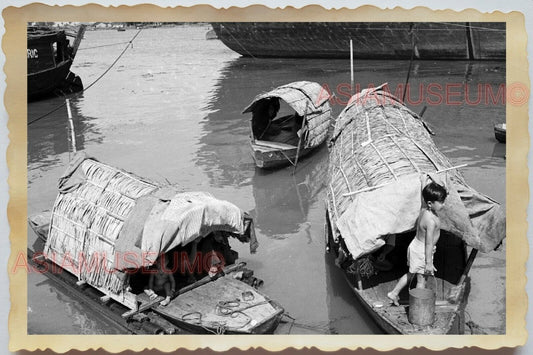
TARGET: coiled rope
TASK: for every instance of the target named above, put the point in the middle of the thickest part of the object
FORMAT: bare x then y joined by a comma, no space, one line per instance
130,42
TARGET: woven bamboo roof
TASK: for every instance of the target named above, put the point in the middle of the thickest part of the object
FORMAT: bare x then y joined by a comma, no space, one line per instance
379,146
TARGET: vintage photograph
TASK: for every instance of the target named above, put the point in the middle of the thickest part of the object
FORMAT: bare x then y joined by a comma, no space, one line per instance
266,178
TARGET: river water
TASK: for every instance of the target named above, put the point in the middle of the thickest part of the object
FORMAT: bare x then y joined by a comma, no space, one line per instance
170,110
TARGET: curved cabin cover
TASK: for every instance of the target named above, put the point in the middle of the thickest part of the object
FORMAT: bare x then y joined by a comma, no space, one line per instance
281,139
379,151
107,223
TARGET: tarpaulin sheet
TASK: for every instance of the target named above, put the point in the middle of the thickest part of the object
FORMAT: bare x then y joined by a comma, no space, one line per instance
157,225
394,208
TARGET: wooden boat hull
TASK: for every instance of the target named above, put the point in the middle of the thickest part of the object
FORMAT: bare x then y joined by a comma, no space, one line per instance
50,56
47,81
500,132
271,158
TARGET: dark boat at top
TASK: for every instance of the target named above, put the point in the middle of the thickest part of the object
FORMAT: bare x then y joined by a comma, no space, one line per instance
371,40
50,56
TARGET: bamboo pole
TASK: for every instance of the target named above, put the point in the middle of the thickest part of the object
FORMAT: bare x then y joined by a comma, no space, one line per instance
413,44
351,68
71,125
388,183
452,168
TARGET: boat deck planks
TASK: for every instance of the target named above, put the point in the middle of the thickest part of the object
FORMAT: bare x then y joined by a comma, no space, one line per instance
397,316
199,306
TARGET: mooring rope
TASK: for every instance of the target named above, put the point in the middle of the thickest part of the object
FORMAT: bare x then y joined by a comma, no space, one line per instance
470,26
103,45
94,82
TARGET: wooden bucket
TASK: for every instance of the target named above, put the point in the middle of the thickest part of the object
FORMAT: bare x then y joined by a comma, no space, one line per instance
421,306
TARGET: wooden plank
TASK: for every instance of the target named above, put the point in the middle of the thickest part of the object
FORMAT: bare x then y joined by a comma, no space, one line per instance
144,306
205,299
274,145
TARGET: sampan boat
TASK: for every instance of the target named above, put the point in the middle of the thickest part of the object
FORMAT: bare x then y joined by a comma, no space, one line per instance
108,228
500,132
381,155
279,139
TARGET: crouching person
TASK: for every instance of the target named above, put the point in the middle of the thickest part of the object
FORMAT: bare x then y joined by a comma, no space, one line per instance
161,282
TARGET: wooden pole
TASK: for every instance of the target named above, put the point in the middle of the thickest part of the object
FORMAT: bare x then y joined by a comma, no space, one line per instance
455,291
351,68
300,137
71,125
410,61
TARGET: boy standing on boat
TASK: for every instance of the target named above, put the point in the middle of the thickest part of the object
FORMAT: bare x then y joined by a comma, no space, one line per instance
420,251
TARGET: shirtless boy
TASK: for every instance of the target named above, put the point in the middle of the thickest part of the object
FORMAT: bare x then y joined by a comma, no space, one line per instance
420,251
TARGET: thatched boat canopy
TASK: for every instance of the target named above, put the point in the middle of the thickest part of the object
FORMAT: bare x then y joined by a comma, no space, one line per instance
308,99
106,220
381,155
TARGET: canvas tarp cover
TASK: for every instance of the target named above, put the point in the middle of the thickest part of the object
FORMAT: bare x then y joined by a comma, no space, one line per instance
394,208
158,225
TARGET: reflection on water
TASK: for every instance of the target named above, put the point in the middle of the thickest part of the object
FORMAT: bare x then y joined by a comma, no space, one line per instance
171,110
343,307
49,133
47,303
282,199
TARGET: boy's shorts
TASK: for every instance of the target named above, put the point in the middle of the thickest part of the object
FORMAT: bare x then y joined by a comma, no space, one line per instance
416,256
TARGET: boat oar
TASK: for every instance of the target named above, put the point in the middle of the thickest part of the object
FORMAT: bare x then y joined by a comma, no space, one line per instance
455,291
208,279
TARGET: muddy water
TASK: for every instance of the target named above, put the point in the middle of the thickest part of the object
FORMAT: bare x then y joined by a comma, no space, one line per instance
170,110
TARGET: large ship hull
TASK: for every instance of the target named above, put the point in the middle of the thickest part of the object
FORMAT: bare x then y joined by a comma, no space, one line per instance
371,40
